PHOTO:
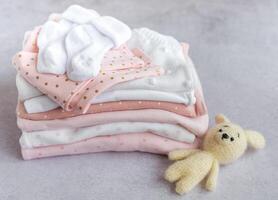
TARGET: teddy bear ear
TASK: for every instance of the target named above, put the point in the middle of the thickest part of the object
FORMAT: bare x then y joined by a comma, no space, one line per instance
255,139
220,118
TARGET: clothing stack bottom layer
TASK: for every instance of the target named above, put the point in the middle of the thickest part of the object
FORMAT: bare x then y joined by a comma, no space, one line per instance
152,114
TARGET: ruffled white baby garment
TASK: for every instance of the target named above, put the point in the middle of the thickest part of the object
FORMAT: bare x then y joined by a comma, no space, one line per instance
77,43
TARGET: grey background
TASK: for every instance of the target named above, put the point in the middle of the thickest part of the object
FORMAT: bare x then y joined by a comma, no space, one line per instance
234,45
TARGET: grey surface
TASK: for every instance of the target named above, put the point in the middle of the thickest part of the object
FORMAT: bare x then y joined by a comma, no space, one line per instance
234,45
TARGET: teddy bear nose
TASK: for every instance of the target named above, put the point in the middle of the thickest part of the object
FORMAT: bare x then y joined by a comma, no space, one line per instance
225,136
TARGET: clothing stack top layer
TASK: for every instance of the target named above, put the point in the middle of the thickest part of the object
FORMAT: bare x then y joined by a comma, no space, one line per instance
87,83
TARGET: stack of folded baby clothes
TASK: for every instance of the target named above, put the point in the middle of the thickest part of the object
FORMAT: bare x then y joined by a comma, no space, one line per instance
87,83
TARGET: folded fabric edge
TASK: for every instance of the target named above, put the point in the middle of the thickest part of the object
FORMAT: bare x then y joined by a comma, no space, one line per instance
142,142
197,126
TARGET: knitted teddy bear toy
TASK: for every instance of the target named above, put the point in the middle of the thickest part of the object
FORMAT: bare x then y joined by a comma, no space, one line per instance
223,144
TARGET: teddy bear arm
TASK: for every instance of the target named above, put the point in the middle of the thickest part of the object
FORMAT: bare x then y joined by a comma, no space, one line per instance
212,176
181,153
255,139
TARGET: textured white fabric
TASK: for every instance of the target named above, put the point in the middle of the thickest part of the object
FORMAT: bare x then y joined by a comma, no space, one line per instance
52,57
79,15
66,136
39,104
85,47
25,89
117,31
164,51
76,43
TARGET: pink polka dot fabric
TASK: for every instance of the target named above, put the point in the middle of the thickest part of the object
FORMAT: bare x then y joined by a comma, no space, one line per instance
197,125
119,65
191,111
144,142
77,95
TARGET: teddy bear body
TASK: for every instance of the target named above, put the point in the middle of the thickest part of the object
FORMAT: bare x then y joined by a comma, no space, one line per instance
223,144
190,171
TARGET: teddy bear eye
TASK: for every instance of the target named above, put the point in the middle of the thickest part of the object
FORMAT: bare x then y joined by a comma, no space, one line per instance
238,135
220,130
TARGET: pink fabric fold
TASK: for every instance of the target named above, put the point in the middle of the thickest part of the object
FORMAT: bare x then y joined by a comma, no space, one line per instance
185,110
144,142
70,94
119,65
197,125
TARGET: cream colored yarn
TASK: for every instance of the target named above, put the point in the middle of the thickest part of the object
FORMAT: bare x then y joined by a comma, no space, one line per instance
223,144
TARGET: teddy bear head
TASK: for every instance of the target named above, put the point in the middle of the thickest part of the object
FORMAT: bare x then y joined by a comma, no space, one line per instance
228,141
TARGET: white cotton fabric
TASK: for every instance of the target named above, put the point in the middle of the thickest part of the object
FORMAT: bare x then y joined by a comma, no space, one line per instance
85,47
176,85
77,42
25,89
66,136
167,52
79,15
52,57
39,104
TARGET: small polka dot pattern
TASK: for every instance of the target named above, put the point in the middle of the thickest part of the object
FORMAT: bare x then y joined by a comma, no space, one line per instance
126,66
191,111
145,142
122,65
